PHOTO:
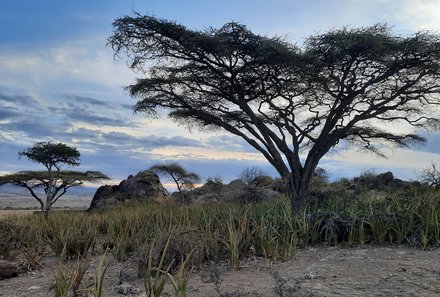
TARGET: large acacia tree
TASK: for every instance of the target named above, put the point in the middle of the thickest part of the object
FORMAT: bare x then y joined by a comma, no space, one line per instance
292,104
54,181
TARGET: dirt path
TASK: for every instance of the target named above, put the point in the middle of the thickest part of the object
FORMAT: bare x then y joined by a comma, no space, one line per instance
318,271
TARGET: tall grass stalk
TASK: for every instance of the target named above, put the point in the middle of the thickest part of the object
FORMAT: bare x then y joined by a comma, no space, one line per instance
100,276
63,283
180,279
237,237
156,277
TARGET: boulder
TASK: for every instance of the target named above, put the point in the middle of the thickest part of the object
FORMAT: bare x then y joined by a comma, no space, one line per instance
372,181
263,181
143,186
7,270
396,183
384,178
105,196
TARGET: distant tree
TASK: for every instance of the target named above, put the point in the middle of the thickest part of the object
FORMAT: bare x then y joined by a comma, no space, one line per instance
215,180
214,183
320,177
431,176
181,177
249,174
54,181
292,104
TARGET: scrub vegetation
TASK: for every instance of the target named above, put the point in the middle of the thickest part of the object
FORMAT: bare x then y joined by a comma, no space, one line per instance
165,241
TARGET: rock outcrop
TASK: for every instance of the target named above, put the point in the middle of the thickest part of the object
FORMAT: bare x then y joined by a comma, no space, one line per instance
380,181
236,190
144,185
366,184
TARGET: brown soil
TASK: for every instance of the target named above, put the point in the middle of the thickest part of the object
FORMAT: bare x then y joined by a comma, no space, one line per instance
317,271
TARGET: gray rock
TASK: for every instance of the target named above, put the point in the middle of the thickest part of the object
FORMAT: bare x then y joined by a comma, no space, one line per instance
127,289
397,183
144,185
384,178
7,270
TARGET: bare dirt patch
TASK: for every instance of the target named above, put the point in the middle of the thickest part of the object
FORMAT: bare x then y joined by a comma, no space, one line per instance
316,271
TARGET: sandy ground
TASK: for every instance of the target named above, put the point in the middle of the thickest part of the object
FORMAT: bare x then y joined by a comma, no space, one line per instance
12,204
314,271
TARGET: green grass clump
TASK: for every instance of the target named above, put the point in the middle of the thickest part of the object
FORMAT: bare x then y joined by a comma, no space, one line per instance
69,235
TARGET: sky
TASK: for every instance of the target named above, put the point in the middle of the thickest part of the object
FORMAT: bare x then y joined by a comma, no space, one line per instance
60,82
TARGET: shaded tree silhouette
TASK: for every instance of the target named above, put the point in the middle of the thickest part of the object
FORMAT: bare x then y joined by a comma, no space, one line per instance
292,104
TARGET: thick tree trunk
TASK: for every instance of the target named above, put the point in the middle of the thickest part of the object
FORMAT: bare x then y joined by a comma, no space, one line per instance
298,188
298,197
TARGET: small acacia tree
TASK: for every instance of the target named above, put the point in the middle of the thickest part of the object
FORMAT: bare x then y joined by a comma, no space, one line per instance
54,181
181,177
431,176
292,104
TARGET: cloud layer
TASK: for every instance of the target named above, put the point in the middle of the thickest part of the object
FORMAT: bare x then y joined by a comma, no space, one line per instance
59,81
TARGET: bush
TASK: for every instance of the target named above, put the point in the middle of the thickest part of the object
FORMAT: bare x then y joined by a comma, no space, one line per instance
200,245
9,239
70,236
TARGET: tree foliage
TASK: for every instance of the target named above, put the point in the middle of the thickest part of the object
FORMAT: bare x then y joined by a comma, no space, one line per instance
52,154
54,181
180,176
292,104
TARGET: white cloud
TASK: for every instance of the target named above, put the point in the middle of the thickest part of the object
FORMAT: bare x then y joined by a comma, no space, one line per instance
420,14
407,162
63,68
203,153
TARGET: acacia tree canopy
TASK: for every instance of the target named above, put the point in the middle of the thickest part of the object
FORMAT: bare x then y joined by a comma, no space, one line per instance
181,177
292,104
52,154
